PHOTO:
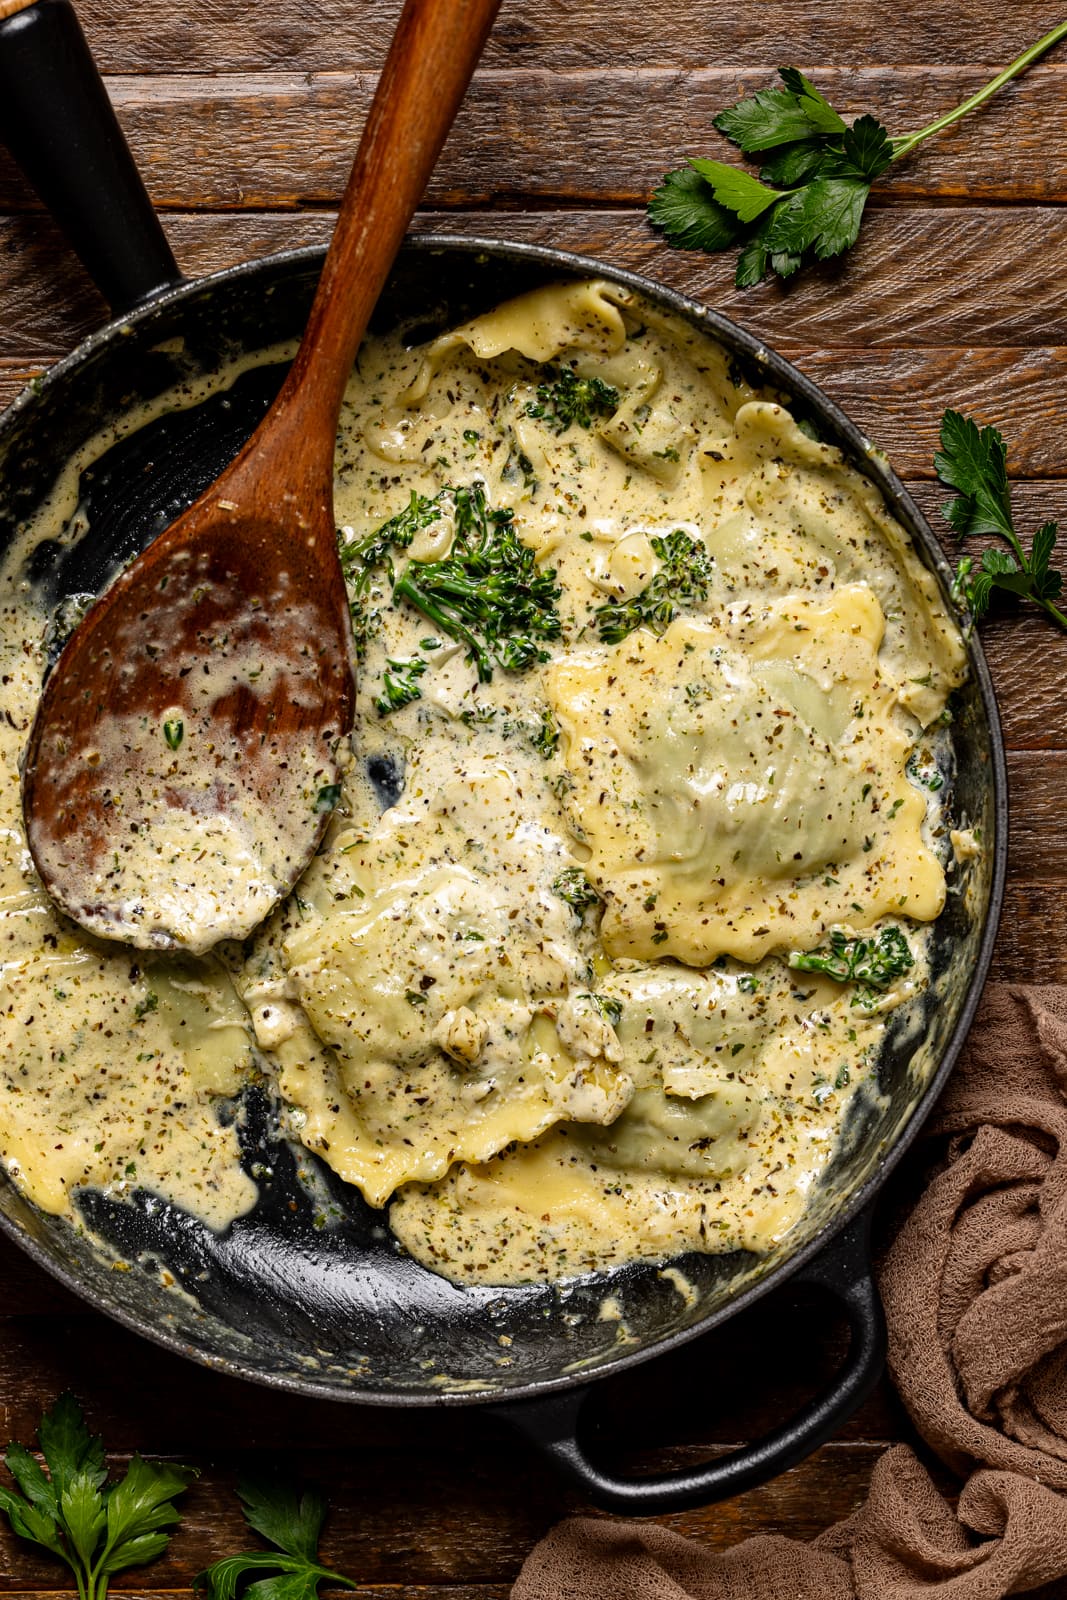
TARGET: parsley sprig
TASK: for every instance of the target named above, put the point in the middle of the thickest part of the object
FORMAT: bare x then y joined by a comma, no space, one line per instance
973,461
816,173
95,1526
289,1519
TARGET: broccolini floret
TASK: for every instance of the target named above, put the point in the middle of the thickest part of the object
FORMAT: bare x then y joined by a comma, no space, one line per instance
488,592
565,400
685,571
873,964
399,687
361,558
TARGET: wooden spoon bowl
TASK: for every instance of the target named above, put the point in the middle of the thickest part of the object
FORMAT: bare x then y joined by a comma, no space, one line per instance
183,760
185,754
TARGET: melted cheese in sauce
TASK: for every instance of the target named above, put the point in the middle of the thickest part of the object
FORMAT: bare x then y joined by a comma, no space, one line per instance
541,1089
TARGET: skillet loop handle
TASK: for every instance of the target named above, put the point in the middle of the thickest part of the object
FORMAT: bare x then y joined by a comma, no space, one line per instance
58,123
843,1269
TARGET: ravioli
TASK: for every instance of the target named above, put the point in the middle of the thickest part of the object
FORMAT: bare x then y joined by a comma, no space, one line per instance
740,782
534,992
438,990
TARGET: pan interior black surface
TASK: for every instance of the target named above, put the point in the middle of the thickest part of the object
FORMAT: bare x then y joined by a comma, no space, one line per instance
310,1290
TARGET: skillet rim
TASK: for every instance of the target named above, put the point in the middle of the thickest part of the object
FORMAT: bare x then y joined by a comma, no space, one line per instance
873,464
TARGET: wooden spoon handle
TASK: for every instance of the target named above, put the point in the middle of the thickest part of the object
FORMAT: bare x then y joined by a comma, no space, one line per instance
429,65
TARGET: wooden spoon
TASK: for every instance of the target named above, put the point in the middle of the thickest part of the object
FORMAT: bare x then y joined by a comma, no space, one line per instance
183,761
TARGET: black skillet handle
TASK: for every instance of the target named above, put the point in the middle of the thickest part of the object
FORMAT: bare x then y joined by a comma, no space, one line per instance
58,123
843,1268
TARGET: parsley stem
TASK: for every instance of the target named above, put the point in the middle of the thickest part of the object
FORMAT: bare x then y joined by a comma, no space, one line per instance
1054,612
906,142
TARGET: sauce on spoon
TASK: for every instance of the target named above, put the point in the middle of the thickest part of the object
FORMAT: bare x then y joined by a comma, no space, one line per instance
184,757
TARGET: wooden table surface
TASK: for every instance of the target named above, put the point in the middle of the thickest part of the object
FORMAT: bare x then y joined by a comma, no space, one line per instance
244,118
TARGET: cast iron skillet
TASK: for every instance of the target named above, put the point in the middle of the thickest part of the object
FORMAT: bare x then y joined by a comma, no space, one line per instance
338,1311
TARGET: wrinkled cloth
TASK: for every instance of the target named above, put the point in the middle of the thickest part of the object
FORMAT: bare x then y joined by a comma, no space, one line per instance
975,1292
975,1283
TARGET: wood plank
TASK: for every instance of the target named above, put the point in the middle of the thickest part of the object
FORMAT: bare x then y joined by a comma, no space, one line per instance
1028,657
1031,947
154,37
30,1291
430,1517
111,1369
920,276
897,397
1037,782
286,139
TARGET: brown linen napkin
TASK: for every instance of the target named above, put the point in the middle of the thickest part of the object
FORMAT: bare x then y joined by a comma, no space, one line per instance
975,1293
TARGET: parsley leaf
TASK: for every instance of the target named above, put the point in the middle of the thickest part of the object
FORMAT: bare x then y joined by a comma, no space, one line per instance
736,189
823,216
756,256
290,1521
688,213
816,171
792,164
779,116
974,462
866,151
138,1509
97,1528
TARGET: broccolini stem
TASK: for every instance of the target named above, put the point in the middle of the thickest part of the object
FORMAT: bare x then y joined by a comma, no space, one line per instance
447,621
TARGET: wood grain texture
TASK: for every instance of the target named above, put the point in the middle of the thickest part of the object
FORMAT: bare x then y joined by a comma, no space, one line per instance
286,139
246,120
156,37
1038,839
452,1516
919,277
1031,945
897,398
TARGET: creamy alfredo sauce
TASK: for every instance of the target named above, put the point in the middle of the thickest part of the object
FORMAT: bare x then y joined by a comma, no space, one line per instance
533,993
